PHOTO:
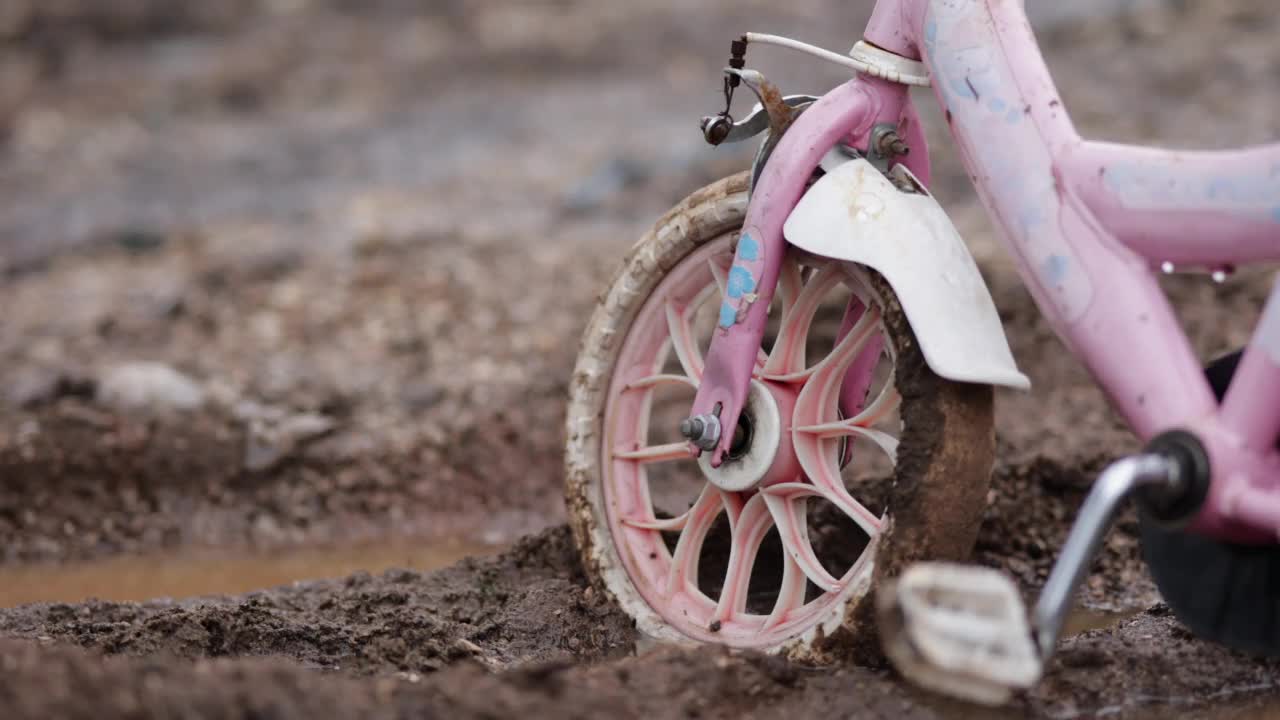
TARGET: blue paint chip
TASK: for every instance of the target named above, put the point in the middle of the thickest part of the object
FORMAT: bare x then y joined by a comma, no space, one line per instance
727,315
1031,217
996,105
963,89
748,248
1055,269
1220,187
740,282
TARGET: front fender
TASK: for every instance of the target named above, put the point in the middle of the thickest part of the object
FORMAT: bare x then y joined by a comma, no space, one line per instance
855,214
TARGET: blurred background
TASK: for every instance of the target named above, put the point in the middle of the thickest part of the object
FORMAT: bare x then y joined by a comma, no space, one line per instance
282,274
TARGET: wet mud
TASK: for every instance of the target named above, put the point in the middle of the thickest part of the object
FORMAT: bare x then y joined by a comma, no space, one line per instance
522,633
271,278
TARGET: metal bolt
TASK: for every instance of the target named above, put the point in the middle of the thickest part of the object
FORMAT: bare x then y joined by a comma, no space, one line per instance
701,430
890,145
691,428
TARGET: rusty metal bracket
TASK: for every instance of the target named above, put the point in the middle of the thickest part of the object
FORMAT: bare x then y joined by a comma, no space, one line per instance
774,114
781,115
720,129
779,112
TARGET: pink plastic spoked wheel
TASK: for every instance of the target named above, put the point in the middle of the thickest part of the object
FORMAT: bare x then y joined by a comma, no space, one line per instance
853,459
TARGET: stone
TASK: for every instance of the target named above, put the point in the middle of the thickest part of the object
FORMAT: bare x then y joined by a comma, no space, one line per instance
148,387
270,443
30,386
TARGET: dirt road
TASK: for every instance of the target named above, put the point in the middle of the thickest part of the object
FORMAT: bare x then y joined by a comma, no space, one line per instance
285,272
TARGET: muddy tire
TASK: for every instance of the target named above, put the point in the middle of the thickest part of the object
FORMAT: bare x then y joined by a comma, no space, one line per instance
933,505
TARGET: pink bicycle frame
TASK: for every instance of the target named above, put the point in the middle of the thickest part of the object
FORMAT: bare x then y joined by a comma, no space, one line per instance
1087,223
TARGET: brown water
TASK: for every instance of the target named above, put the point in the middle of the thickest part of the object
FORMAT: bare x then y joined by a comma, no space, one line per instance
191,574
1086,619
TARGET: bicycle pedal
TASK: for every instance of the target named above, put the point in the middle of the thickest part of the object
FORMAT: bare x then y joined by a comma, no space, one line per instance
960,630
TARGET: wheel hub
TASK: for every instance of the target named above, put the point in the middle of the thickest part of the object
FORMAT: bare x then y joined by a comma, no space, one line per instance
759,454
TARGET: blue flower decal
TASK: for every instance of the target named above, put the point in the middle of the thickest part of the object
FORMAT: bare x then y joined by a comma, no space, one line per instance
740,282
748,248
727,315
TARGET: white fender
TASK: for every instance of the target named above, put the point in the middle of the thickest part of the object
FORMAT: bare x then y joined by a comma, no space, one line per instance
856,214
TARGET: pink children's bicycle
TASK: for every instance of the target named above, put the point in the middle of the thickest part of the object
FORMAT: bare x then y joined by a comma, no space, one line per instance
793,370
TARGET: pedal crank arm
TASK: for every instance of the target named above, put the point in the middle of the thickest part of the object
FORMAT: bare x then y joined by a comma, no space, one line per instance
1120,480
963,630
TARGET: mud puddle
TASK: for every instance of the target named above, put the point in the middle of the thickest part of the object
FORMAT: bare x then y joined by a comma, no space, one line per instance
198,573
1084,619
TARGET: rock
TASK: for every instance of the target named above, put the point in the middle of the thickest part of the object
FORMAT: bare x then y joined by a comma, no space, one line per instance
252,253
267,530
30,386
252,411
341,447
148,387
420,395
270,443
139,240
306,426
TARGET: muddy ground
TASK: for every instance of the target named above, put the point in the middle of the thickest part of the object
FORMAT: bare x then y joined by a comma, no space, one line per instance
404,644
285,272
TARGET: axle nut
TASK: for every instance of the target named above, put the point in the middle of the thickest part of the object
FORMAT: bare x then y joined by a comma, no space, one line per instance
701,430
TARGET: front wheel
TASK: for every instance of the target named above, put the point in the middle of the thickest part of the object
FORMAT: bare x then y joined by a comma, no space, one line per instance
854,459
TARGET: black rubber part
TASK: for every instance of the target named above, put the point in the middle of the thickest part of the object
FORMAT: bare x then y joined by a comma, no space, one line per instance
737,59
1224,592
1170,508
1220,372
